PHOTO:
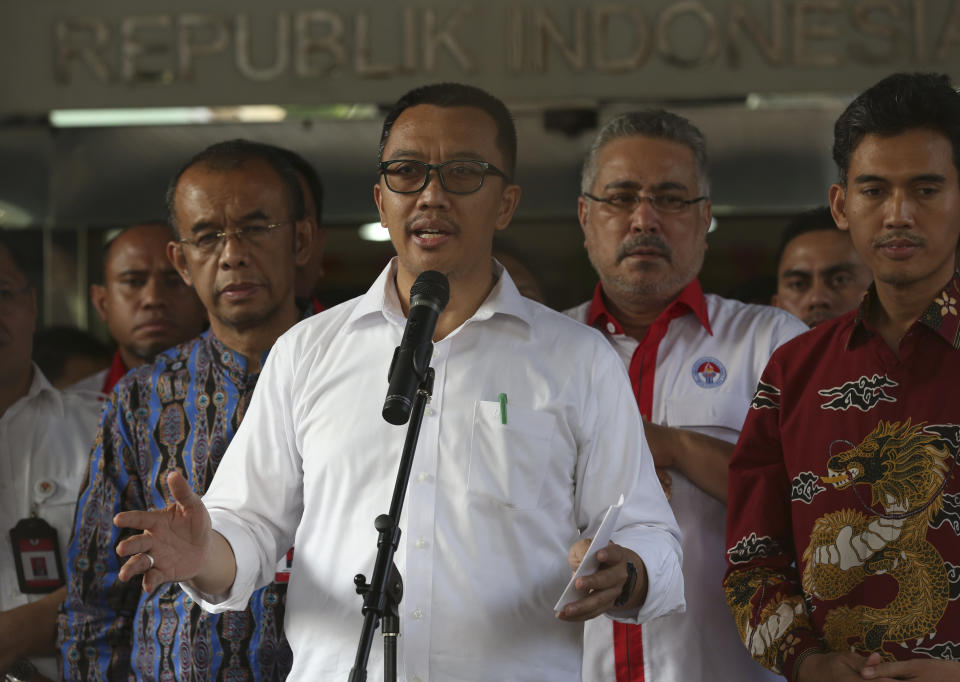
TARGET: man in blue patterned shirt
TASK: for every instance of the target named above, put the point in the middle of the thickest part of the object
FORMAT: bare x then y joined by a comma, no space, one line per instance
238,212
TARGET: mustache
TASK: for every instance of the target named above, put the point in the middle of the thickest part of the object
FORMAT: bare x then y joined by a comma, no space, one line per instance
411,225
899,236
647,242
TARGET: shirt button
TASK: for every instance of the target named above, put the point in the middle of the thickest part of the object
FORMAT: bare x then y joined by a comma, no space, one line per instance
416,679
420,543
417,614
611,327
430,412
423,477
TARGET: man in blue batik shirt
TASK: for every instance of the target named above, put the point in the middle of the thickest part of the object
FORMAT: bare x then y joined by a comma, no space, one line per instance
238,212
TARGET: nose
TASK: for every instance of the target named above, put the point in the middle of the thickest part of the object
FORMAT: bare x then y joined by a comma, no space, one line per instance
151,293
819,295
433,195
234,252
644,217
899,210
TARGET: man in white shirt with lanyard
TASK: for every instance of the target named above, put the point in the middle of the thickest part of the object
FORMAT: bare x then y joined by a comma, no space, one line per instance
45,438
693,359
530,435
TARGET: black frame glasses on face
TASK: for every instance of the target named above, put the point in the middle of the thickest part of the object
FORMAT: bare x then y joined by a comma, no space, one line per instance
213,241
458,176
628,201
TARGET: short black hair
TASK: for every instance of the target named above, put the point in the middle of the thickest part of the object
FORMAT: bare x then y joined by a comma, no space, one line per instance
459,95
898,103
29,264
814,220
232,154
310,176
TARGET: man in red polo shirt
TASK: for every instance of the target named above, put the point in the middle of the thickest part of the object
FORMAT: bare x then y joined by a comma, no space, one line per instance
143,301
694,360
844,556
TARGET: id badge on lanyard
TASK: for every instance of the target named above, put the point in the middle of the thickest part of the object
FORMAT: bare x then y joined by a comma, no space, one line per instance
36,554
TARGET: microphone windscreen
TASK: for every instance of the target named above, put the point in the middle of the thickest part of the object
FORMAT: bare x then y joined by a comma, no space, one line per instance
432,285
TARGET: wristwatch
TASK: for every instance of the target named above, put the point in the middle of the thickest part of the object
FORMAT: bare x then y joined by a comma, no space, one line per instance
22,670
627,586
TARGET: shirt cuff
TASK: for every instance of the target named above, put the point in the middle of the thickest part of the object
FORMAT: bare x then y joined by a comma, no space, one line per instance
246,556
664,584
804,643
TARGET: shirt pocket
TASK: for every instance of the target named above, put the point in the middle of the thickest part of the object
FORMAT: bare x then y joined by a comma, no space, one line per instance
721,416
508,461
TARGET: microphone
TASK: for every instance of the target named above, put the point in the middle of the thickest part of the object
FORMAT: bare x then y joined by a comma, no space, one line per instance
429,295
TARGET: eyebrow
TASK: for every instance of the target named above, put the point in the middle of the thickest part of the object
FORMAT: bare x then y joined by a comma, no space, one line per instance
846,266
633,184
212,225
925,177
417,155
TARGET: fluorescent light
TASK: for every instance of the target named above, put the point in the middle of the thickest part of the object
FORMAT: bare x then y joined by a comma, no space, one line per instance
81,118
799,100
374,232
13,216
152,116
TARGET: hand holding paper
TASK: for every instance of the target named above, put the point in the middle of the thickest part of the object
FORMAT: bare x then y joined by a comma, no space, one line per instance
590,564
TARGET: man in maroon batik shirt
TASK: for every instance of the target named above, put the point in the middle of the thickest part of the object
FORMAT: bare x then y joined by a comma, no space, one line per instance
843,548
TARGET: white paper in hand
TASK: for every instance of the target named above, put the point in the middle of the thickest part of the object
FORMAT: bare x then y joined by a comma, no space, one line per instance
590,564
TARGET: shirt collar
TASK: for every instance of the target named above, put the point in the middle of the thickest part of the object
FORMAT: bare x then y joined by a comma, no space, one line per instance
40,390
230,361
941,316
117,369
382,298
690,299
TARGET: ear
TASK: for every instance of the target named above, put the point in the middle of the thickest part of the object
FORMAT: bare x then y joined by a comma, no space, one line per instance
303,231
838,206
319,245
378,199
98,297
509,200
707,215
583,210
775,301
179,261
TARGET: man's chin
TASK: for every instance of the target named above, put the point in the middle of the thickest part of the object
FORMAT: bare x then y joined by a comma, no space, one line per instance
817,319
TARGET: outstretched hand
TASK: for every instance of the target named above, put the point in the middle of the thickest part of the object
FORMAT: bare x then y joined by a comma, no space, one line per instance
175,542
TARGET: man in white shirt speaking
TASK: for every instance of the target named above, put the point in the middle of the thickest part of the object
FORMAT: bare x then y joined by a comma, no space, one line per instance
694,360
530,435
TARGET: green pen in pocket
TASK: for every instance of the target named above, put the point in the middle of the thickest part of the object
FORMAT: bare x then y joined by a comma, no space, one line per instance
503,407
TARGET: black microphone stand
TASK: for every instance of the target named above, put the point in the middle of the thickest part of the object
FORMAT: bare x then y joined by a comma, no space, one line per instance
382,595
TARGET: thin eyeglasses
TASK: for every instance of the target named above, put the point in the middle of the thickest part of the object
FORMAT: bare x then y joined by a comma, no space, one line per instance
253,234
628,201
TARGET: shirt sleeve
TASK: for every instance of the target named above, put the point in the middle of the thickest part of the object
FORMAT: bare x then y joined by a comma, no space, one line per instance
762,585
614,457
256,497
95,624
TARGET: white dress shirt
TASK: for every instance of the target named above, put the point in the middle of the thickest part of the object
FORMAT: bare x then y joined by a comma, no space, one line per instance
45,440
492,508
703,642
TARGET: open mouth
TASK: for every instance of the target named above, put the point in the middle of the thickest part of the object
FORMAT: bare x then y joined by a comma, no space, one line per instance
429,234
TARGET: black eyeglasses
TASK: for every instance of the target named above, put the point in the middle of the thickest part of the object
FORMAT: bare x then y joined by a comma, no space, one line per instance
628,201
457,177
253,234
